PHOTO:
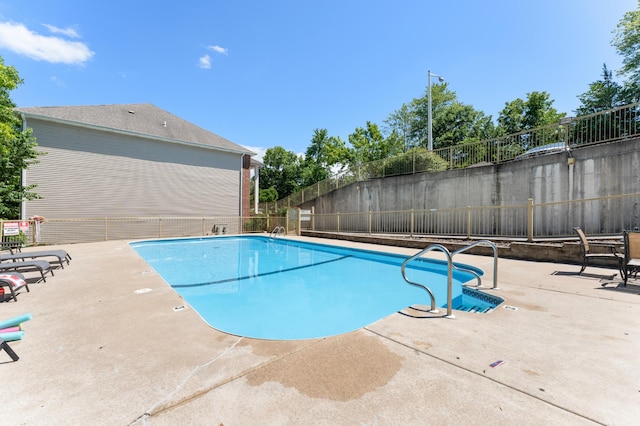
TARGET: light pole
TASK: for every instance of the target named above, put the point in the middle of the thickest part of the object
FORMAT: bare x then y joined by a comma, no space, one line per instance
429,112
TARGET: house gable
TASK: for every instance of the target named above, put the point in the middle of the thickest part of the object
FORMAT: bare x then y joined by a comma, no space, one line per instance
91,170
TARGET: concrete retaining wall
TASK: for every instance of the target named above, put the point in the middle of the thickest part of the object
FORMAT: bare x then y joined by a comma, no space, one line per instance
585,172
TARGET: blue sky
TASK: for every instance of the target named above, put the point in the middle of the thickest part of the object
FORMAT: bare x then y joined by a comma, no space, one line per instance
267,73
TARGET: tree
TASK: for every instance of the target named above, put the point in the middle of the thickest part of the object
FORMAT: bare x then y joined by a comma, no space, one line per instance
536,111
368,144
17,148
602,95
325,153
400,121
627,42
441,100
281,171
453,122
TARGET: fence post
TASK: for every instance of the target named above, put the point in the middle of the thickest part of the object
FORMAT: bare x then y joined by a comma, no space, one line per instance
530,219
313,218
286,222
468,222
412,222
451,158
338,220
370,218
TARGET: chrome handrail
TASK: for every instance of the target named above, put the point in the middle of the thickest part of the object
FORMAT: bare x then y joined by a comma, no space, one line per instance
450,266
495,261
449,277
277,231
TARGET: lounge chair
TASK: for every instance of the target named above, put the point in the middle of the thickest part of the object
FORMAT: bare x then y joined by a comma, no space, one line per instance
12,246
14,282
41,266
587,255
60,256
631,254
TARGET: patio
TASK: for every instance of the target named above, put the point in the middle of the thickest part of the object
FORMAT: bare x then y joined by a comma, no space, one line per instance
97,352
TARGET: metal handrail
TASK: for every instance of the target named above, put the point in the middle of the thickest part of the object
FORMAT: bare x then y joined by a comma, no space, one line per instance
450,266
277,231
495,261
449,277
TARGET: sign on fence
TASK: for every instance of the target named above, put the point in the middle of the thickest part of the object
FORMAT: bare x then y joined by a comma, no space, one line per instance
11,228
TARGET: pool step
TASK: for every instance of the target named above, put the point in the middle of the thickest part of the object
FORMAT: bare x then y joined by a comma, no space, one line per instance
473,308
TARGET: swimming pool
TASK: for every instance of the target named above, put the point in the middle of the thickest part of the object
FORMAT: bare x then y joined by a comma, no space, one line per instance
282,289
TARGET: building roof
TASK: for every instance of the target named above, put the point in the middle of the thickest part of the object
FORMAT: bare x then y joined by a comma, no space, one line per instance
139,119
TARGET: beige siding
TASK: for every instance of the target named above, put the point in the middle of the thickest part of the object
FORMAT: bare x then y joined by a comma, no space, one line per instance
89,173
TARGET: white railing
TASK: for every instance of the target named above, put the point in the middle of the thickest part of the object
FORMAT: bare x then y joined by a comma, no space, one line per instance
604,216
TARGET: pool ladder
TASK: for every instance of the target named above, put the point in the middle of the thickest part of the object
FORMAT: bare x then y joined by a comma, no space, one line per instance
450,267
277,231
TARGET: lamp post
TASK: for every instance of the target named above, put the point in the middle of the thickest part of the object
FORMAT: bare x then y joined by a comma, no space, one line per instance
429,112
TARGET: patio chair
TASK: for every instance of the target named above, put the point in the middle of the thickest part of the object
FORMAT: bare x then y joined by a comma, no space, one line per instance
13,282
41,266
631,254
60,256
587,255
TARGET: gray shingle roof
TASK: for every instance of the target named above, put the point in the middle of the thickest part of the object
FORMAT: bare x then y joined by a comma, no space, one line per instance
145,119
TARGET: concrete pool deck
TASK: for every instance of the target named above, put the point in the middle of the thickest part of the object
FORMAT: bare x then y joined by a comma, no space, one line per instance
97,352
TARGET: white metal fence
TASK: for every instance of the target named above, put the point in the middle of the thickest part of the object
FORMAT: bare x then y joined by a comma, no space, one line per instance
528,221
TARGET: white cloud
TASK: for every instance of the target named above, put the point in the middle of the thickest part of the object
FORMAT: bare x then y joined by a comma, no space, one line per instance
258,150
69,32
205,62
21,40
219,49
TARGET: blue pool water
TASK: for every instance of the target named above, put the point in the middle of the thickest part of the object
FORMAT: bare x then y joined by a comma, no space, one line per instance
280,289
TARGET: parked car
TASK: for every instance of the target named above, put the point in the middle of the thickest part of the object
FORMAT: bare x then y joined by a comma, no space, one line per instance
549,148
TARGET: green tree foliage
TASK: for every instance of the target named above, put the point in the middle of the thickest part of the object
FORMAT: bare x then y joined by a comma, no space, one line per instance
417,159
452,121
400,122
368,144
281,171
627,42
441,99
602,95
323,154
536,111
17,148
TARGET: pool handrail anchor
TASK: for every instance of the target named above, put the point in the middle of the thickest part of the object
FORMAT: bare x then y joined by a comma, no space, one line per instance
495,261
443,249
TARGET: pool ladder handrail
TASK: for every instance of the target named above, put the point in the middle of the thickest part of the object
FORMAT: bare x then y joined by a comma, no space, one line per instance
277,231
447,253
450,266
495,261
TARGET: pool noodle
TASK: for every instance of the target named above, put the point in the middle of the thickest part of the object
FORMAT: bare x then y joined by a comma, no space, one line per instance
15,335
10,329
15,321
